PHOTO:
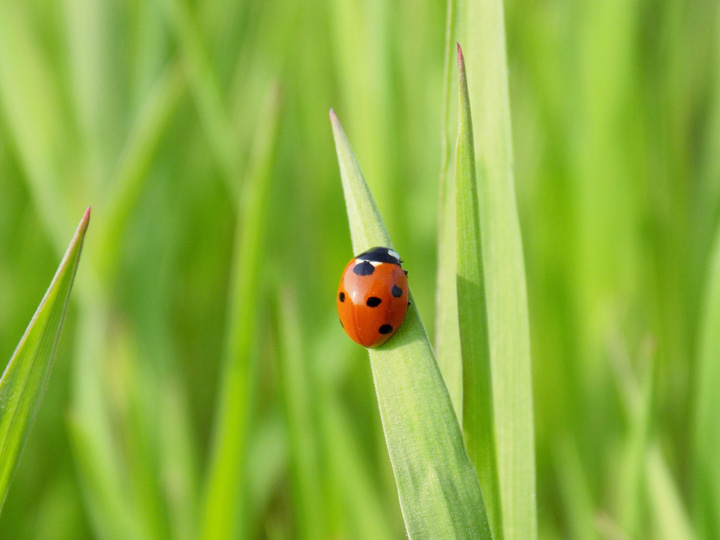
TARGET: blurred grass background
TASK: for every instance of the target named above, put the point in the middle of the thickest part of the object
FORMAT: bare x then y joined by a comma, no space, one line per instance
199,134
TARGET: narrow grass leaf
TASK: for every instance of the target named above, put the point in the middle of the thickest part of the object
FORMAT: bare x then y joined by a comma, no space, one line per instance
206,89
478,425
31,105
666,506
132,167
92,426
223,511
508,323
707,428
439,492
632,477
367,515
299,392
23,383
447,338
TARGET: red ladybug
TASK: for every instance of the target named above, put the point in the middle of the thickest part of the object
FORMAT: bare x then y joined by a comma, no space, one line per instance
373,296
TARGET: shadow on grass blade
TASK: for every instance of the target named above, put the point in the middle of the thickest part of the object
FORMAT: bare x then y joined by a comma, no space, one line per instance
438,489
23,382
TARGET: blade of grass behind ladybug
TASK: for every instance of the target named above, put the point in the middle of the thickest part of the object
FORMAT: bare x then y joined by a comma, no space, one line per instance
478,422
447,338
508,322
437,486
224,512
23,382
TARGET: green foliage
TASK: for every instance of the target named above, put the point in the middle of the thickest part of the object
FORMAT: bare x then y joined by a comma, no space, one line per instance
24,379
439,492
478,422
481,28
201,353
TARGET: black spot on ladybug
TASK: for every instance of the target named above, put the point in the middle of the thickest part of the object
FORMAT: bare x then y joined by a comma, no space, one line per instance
385,329
373,301
341,296
364,269
396,291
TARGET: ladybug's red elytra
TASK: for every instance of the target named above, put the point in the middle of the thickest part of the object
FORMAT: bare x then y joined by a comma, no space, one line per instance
372,298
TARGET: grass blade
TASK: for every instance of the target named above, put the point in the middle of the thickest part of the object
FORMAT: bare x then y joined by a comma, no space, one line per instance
478,426
707,428
23,382
447,338
666,505
439,492
221,516
504,268
299,396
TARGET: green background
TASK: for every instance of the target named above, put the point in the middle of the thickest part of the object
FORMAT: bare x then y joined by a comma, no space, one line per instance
156,114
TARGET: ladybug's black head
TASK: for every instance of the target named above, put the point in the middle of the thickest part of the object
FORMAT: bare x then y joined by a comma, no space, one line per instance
380,254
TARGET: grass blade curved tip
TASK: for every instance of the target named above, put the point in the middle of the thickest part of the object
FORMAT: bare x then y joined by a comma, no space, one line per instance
23,382
439,493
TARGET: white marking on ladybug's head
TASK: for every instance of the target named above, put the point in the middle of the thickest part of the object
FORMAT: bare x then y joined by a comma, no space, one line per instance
374,263
380,255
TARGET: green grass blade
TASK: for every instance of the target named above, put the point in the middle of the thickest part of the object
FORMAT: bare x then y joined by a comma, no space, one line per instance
707,427
632,476
205,88
447,338
223,511
32,108
299,396
439,492
23,382
132,168
478,426
504,268
666,505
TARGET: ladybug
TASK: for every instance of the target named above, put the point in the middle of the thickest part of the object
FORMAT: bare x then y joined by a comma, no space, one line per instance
372,298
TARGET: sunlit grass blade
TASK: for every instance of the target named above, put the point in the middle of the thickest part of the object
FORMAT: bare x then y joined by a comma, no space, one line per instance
478,426
707,428
25,377
206,89
484,37
31,104
439,492
666,506
632,476
132,168
223,510
447,338
299,393
366,514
